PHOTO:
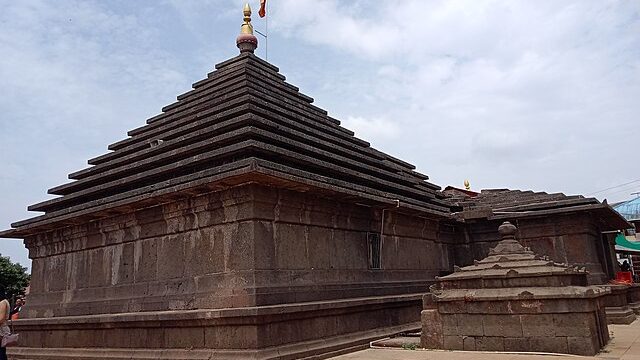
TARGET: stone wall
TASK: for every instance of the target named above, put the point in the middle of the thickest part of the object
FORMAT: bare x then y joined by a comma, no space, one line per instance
193,253
226,271
312,248
246,246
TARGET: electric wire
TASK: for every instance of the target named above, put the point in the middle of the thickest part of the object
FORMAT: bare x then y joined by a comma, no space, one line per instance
614,187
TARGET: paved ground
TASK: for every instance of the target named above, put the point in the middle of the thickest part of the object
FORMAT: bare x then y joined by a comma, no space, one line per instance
624,346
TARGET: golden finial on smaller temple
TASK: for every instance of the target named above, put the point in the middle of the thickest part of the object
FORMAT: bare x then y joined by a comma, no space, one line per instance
246,41
467,185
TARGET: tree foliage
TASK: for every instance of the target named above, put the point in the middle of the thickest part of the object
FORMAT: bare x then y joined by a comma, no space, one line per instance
13,277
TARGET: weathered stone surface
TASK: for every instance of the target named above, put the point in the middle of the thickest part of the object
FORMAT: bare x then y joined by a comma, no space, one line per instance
470,325
454,342
556,344
538,325
489,343
502,325
516,344
237,262
575,325
432,336
516,301
449,324
587,346
620,315
468,343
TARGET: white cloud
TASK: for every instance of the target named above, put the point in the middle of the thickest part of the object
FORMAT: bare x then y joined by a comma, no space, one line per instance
373,128
527,94
538,88
75,76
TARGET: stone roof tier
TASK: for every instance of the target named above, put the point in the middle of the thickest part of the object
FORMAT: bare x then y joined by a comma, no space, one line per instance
507,204
243,123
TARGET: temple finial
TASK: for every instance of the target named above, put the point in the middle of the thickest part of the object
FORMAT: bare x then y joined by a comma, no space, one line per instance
246,41
467,185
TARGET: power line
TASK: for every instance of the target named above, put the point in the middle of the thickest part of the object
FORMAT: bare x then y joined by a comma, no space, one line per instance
629,191
614,187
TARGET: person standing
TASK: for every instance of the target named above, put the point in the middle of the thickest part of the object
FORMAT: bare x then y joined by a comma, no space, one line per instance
5,308
15,313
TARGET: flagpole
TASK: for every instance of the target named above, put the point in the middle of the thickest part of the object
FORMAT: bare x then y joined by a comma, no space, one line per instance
266,31
264,8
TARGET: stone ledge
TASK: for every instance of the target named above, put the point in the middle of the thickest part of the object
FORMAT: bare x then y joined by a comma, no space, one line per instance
303,350
214,315
620,315
523,293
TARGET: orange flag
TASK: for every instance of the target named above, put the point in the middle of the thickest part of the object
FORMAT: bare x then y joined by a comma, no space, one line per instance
263,11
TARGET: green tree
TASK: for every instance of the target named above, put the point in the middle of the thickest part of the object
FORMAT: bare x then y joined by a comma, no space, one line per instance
13,277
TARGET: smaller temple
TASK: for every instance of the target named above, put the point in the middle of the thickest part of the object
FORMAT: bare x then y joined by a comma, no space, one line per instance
570,229
514,300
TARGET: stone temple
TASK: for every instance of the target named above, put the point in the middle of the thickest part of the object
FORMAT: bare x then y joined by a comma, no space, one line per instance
243,222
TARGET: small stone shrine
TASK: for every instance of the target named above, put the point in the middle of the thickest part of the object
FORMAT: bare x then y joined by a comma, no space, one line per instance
514,300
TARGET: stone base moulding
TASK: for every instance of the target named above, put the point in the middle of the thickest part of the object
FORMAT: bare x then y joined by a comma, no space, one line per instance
292,331
617,303
635,307
622,315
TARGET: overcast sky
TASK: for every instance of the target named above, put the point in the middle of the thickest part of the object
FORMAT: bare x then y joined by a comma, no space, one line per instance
540,95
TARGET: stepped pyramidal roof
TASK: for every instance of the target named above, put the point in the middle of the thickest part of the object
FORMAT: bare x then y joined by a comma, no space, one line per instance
243,123
502,204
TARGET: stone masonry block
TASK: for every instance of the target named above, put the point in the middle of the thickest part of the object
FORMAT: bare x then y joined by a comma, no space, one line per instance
576,324
145,260
264,245
233,336
587,346
452,307
449,324
488,307
548,344
170,257
490,343
502,325
184,337
537,325
469,343
432,336
516,344
470,324
291,246
428,301
238,246
453,342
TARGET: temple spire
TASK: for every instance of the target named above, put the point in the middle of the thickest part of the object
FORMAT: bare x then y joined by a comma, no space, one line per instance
246,41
